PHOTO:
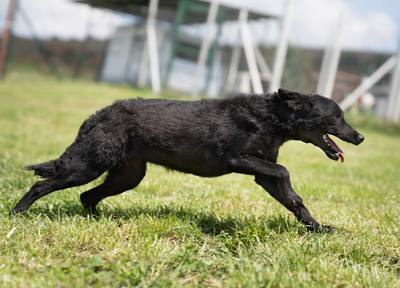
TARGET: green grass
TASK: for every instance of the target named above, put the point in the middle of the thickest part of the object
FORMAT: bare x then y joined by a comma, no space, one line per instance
177,230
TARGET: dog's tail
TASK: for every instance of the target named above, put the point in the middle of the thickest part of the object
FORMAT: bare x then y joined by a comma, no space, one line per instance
45,170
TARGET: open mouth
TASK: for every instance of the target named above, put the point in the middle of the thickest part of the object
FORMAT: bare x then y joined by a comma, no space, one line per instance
334,151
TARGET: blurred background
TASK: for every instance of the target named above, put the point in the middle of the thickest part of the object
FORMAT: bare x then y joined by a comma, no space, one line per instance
343,49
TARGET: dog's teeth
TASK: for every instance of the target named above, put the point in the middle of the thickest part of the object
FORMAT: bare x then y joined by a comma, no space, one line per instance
326,139
337,154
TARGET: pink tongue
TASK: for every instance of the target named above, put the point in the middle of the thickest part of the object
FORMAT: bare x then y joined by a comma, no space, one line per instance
336,148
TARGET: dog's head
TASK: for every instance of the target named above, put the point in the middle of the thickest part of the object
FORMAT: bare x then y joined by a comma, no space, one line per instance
313,118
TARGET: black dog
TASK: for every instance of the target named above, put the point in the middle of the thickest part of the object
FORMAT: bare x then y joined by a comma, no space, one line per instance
207,138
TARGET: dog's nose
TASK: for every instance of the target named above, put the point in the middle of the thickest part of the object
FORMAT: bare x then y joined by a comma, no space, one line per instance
361,138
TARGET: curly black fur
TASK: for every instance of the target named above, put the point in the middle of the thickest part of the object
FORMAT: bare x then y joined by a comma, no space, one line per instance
208,138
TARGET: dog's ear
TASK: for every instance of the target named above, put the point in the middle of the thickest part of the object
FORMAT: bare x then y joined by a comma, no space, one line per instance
285,94
295,101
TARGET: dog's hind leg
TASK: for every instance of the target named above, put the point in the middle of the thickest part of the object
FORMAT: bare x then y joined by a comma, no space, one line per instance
299,210
66,179
118,180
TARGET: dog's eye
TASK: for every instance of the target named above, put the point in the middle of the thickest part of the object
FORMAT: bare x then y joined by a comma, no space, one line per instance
337,115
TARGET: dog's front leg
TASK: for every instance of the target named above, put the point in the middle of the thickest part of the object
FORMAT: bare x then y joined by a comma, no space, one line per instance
300,211
256,166
275,179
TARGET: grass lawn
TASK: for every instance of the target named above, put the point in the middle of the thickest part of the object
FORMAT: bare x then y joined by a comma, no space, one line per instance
177,230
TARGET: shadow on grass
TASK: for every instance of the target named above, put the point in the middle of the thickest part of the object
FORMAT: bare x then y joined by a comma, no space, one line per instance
207,221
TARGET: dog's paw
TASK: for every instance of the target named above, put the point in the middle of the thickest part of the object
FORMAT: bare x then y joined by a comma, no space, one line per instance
16,212
322,229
